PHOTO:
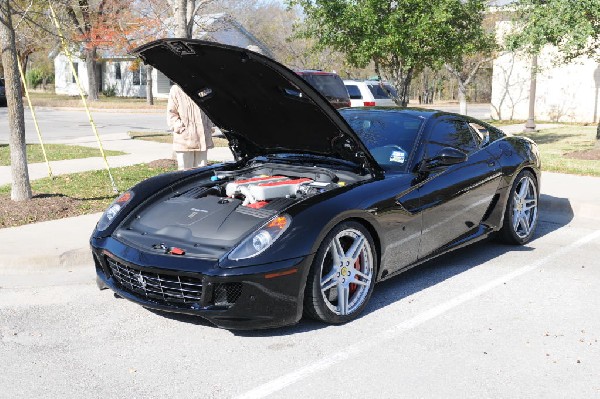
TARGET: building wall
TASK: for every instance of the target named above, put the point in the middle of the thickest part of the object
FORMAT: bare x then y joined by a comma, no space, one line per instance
124,84
161,85
63,75
566,93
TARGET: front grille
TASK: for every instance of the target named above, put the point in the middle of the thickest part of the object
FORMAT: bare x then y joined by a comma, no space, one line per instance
167,289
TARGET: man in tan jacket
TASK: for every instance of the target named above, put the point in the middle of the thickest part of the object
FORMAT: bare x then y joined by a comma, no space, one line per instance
192,130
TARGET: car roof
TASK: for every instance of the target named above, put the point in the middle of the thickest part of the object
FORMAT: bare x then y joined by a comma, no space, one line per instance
314,72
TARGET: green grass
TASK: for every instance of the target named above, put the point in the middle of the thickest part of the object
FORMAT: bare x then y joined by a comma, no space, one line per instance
556,144
55,152
93,188
162,137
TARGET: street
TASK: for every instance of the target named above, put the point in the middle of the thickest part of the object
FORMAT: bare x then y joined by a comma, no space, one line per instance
57,124
489,320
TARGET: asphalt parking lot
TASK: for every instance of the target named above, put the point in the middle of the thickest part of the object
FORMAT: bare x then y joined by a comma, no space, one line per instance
486,321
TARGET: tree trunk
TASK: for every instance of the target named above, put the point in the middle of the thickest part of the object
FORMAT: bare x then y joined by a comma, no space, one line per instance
403,94
462,98
149,94
90,63
181,18
23,57
396,77
20,189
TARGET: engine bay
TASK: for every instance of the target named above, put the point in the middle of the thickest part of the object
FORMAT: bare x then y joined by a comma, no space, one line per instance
208,216
257,187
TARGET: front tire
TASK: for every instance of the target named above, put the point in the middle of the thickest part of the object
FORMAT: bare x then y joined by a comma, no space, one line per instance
342,276
521,215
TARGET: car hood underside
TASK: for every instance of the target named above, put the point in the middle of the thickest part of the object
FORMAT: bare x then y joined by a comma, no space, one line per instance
262,106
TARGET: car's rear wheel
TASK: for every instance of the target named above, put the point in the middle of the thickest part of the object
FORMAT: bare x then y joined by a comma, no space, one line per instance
521,215
342,276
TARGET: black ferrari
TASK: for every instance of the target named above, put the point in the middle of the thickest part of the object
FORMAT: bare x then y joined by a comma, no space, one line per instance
318,206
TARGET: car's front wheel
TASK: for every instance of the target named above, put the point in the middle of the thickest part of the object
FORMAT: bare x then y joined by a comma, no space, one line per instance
520,219
342,276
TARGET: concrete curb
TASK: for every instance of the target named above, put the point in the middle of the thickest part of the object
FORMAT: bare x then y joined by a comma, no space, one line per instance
55,244
75,252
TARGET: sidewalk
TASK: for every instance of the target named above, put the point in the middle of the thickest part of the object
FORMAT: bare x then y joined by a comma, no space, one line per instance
64,243
138,151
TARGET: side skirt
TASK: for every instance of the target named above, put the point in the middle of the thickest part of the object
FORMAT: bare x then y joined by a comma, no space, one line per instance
471,237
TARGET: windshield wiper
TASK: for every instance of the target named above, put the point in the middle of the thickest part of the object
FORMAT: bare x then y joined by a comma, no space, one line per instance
314,160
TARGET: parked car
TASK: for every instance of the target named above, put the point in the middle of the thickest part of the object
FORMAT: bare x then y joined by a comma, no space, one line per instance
329,84
319,205
370,93
2,92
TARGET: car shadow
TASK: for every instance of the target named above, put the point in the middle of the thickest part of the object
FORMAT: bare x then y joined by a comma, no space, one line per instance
555,213
184,318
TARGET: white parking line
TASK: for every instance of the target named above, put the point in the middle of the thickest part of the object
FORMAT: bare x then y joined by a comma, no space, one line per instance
290,378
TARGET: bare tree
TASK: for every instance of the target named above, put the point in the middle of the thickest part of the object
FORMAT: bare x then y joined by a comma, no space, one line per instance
96,24
512,88
184,12
464,76
21,188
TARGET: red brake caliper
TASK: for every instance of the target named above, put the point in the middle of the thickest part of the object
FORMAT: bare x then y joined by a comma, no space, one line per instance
353,286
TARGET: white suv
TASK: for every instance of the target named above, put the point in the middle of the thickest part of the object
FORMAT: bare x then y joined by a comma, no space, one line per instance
369,93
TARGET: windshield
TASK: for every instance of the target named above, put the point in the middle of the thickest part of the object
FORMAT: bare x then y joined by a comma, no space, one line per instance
388,135
331,86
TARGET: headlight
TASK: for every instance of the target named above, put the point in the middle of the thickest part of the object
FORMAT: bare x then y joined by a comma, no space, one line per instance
261,239
113,210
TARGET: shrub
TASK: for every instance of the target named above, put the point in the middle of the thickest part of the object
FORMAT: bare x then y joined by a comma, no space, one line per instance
38,76
110,91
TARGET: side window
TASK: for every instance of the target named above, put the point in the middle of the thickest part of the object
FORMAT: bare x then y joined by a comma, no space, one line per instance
482,136
450,133
354,92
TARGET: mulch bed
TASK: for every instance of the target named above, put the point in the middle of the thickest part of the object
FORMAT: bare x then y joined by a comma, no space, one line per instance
590,155
43,207
163,163
40,208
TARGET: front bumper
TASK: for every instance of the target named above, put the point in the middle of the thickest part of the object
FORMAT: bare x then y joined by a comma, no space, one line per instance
261,296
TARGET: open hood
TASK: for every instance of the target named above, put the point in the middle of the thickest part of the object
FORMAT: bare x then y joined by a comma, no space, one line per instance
262,106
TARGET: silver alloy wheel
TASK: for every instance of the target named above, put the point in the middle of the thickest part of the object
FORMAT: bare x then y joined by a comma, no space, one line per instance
524,209
346,272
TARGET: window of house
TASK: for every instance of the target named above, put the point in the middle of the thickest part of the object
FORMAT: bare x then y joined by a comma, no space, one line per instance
118,71
74,76
143,75
136,76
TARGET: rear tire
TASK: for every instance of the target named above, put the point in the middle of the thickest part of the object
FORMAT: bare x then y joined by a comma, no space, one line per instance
521,214
342,277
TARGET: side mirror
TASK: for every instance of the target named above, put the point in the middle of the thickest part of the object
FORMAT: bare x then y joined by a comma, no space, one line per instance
445,157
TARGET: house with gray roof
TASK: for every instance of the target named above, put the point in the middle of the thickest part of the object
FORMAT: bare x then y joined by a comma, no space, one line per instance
125,76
